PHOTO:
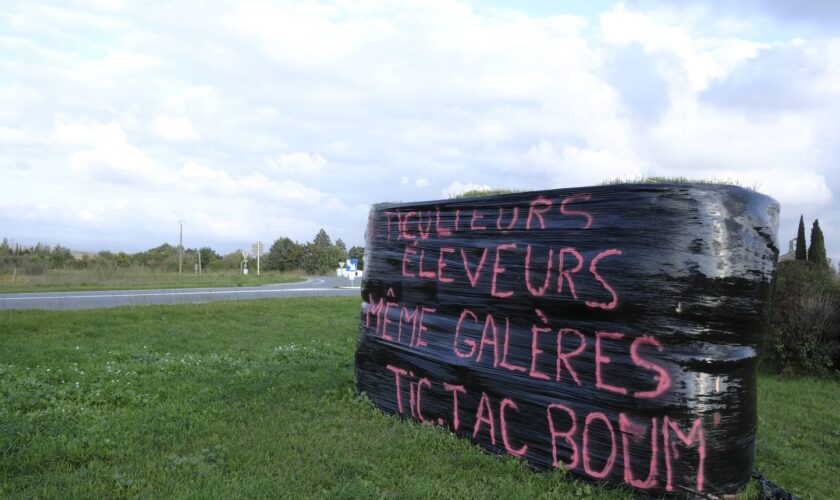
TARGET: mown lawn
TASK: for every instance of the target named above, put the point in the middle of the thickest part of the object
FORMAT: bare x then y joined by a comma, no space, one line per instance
256,400
134,278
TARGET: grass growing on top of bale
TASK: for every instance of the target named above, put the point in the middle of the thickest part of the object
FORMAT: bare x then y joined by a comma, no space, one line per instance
475,193
675,180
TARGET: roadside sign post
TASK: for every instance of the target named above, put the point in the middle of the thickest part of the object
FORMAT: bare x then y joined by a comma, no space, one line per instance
350,266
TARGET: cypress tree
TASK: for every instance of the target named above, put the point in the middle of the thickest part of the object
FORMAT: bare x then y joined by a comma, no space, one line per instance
322,239
801,253
816,252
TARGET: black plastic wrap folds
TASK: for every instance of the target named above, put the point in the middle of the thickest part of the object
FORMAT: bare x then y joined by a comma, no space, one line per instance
612,330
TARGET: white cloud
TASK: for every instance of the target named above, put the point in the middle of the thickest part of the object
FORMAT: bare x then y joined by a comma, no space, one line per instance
782,157
306,34
270,118
574,166
193,176
101,152
297,163
173,128
805,188
12,135
16,100
696,61
88,134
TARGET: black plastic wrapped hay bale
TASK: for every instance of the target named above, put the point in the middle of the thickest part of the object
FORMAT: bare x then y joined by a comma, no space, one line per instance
611,330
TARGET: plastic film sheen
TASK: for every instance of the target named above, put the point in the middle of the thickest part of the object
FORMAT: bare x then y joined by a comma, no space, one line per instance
610,330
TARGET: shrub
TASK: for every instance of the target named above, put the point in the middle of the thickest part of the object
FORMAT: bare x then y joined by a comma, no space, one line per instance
35,268
805,335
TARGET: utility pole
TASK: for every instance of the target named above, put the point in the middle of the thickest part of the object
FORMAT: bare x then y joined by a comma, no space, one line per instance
257,248
199,262
181,247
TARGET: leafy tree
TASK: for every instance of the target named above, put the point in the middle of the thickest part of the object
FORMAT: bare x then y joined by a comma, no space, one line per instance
321,260
358,253
284,255
234,259
801,253
338,254
229,261
104,259
322,239
816,252
208,255
313,260
122,259
340,244
163,257
60,257
322,257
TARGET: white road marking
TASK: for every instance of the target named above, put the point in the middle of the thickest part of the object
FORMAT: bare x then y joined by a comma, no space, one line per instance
163,294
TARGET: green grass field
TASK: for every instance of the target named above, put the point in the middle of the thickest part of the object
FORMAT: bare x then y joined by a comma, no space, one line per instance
255,399
62,280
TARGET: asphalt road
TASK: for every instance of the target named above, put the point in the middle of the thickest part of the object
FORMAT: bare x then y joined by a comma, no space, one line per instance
321,286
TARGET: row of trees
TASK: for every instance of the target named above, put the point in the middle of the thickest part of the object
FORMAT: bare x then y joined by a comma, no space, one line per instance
805,331
816,251
37,259
39,255
320,256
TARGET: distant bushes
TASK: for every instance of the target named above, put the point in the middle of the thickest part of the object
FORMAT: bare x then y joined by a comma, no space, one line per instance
34,268
32,260
320,256
805,333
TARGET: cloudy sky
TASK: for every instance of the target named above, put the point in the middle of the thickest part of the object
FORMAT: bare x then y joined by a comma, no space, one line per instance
255,119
